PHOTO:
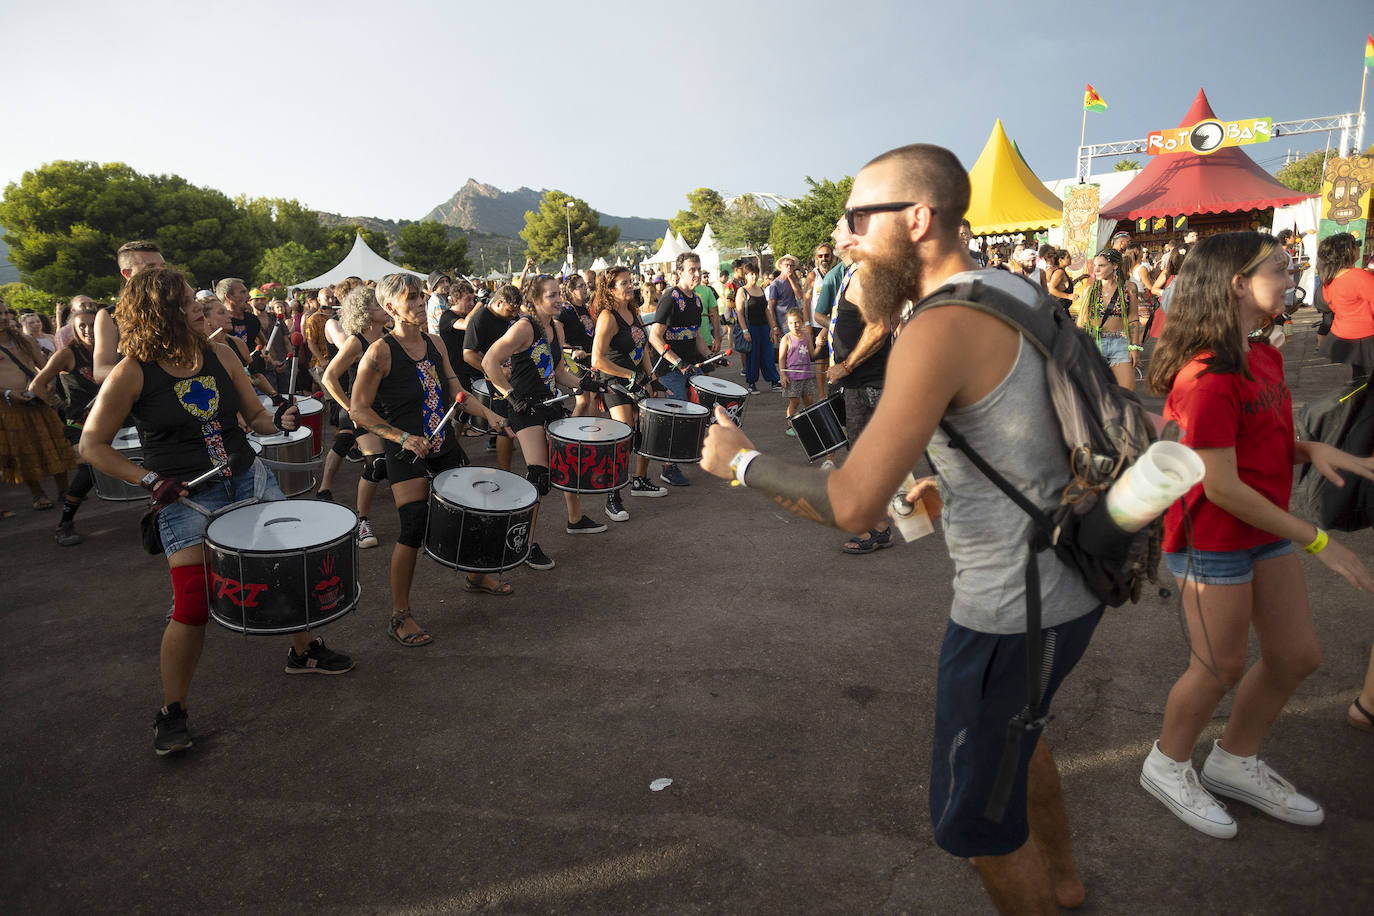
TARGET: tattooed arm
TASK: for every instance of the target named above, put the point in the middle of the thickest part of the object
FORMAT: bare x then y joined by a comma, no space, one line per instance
374,365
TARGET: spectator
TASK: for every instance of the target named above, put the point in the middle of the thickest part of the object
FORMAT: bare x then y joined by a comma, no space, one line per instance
1059,285
1349,294
785,293
32,445
437,286
34,327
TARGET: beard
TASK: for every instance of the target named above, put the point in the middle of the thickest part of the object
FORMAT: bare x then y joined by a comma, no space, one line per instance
891,278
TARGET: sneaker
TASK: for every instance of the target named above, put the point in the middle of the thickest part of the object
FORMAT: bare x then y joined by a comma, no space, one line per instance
326,496
67,536
365,536
672,474
1250,780
1176,785
615,508
775,386
171,733
538,559
827,465
791,432
317,660
643,486
585,525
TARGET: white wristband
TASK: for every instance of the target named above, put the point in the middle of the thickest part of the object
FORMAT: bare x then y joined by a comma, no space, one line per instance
741,463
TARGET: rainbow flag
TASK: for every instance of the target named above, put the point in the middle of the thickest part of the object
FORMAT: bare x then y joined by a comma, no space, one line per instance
1368,51
1094,102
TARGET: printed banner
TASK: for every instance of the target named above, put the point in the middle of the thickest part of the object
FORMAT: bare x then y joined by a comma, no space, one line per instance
1180,224
1161,224
1346,184
1081,202
1208,136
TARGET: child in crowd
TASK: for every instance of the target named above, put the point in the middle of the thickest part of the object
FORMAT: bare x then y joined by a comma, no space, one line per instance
796,351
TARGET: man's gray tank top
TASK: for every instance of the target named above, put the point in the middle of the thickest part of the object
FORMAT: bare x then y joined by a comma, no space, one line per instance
1016,430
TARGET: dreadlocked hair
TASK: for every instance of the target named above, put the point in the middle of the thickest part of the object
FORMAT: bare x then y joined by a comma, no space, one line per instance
152,321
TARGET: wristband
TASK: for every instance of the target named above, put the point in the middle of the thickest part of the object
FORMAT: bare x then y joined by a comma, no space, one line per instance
1134,347
740,464
404,437
1318,543
149,480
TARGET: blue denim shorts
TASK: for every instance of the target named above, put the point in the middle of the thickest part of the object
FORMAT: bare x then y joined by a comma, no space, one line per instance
1224,567
1114,350
182,526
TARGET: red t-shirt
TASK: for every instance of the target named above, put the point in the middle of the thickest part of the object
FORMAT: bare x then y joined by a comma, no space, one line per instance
1230,411
1351,299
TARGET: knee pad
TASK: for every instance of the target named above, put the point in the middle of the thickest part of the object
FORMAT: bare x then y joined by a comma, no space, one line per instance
344,440
538,475
81,484
414,517
374,468
190,601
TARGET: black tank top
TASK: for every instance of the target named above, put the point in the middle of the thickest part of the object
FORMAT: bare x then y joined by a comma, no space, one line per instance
413,394
626,346
578,327
846,327
187,425
755,309
531,370
351,373
78,386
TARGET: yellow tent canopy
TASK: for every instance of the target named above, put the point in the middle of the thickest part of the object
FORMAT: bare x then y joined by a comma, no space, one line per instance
1007,197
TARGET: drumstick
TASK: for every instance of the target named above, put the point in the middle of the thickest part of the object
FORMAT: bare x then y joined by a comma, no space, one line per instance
296,340
272,338
557,400
715,359
462,396
191,484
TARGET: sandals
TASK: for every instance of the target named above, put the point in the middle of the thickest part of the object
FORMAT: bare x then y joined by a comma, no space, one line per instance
410,640
500,589
6,513
873,541
1367,725
42,504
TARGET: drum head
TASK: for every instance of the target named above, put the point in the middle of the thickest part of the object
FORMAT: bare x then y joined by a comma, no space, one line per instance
127,439
722,388
280,526
485,489
589,429
309,405
673,406
481,386
281,438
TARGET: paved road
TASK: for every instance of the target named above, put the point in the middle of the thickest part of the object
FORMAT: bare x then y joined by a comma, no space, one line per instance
785,689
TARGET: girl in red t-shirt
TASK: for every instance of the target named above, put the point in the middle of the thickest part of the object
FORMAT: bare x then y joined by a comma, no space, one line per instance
1229,541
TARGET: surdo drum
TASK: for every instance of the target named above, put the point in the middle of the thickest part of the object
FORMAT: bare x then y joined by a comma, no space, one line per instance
818,428
282,566
672,430
589,454
481,389
292,448
130,446
312,418
479,519
708,391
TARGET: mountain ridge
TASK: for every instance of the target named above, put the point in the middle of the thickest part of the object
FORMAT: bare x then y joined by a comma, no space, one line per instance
486,208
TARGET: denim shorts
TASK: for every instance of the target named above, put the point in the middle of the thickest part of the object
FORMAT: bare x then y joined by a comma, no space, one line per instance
182,526
982,684
1114,350
1224,567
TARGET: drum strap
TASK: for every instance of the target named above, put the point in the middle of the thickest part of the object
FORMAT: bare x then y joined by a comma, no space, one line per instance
312,465
259,488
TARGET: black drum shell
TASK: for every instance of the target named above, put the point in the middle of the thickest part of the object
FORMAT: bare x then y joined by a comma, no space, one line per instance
707,398
818,428
672,436
481,389
477,541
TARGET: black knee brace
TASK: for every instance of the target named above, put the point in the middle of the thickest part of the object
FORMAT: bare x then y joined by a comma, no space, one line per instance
344,440
414,517
538,475
374,468
81,484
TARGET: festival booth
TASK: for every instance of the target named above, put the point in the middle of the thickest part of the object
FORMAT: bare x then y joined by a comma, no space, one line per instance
361,262
1006,195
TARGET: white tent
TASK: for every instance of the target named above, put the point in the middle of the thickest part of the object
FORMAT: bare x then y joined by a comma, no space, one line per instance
672,247
496,275
361,262
709,250
600,264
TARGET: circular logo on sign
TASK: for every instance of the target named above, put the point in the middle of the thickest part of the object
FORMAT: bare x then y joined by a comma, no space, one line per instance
1206,137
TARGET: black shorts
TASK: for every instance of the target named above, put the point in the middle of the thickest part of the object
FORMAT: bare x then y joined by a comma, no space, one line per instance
537,417
859,404
398,469
612,398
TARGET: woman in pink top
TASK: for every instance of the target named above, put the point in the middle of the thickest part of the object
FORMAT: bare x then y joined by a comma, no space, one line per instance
1349,293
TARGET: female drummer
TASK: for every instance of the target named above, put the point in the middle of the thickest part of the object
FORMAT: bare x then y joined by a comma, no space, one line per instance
578,328
534,346
618,350
364,321
220,321
184,394
402,391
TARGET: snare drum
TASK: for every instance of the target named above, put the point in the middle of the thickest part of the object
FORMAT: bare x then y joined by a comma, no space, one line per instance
283,566
818,428
481,389
672,430
479,519
312,418
589,454
290,448
130,446
708,391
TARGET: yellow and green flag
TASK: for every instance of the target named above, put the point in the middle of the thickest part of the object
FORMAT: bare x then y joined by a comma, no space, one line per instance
1368,51
1092,101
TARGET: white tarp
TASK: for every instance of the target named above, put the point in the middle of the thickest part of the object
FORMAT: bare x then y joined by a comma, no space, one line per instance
361,262
671,248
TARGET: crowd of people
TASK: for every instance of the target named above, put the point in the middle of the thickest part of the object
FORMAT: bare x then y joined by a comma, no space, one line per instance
195,373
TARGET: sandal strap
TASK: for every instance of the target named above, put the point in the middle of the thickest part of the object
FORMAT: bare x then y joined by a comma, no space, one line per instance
1364,712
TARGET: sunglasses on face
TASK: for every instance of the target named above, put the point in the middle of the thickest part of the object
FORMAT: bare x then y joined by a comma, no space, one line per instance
852,213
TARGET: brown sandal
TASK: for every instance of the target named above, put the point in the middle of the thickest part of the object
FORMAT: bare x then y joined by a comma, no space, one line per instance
500,589
411,640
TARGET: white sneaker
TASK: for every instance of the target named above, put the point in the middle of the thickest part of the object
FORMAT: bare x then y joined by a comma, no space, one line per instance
1248,779
366,538
1176,785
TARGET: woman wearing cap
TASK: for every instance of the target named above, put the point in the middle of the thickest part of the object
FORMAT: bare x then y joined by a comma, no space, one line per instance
1106,309
184,394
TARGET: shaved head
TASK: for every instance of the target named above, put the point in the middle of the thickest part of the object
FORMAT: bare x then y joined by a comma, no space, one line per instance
931,175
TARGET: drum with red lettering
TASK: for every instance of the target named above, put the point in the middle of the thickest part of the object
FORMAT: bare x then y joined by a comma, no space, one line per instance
818,428
589,454
708,391
283,566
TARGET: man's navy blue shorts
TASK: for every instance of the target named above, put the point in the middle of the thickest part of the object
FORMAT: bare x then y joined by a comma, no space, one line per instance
982,684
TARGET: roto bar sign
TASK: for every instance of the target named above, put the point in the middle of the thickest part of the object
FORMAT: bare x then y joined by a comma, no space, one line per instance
1208,136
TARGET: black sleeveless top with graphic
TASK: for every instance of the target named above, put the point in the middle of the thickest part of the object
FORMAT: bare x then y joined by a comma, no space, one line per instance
79,387
532,370
188,425
413,396
626,346
578,327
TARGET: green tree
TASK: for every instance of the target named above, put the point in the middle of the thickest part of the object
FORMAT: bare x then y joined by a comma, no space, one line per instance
289,263
746,224
1126,165
703,206
427,246
798,229
546,230
22,297
1304,175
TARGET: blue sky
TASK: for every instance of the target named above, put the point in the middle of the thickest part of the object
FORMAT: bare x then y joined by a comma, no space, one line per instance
386,108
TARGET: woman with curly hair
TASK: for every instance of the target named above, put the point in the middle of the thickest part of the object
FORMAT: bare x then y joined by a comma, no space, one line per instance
32,445
1106,308
185,395
1349,293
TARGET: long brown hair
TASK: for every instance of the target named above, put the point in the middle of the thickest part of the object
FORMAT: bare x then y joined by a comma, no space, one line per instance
604,297
1205,317
152,319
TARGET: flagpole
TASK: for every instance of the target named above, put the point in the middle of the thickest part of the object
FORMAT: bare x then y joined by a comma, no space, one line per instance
1359,128
1083,138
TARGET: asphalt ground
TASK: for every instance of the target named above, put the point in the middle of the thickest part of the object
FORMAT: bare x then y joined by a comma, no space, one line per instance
786,689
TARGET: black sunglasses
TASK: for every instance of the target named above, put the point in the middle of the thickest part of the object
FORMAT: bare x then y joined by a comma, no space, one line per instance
866,209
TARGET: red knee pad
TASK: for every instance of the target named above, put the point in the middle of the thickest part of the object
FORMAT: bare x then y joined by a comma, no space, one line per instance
190,600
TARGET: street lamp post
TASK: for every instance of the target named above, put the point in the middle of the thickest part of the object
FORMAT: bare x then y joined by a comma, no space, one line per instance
567,213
